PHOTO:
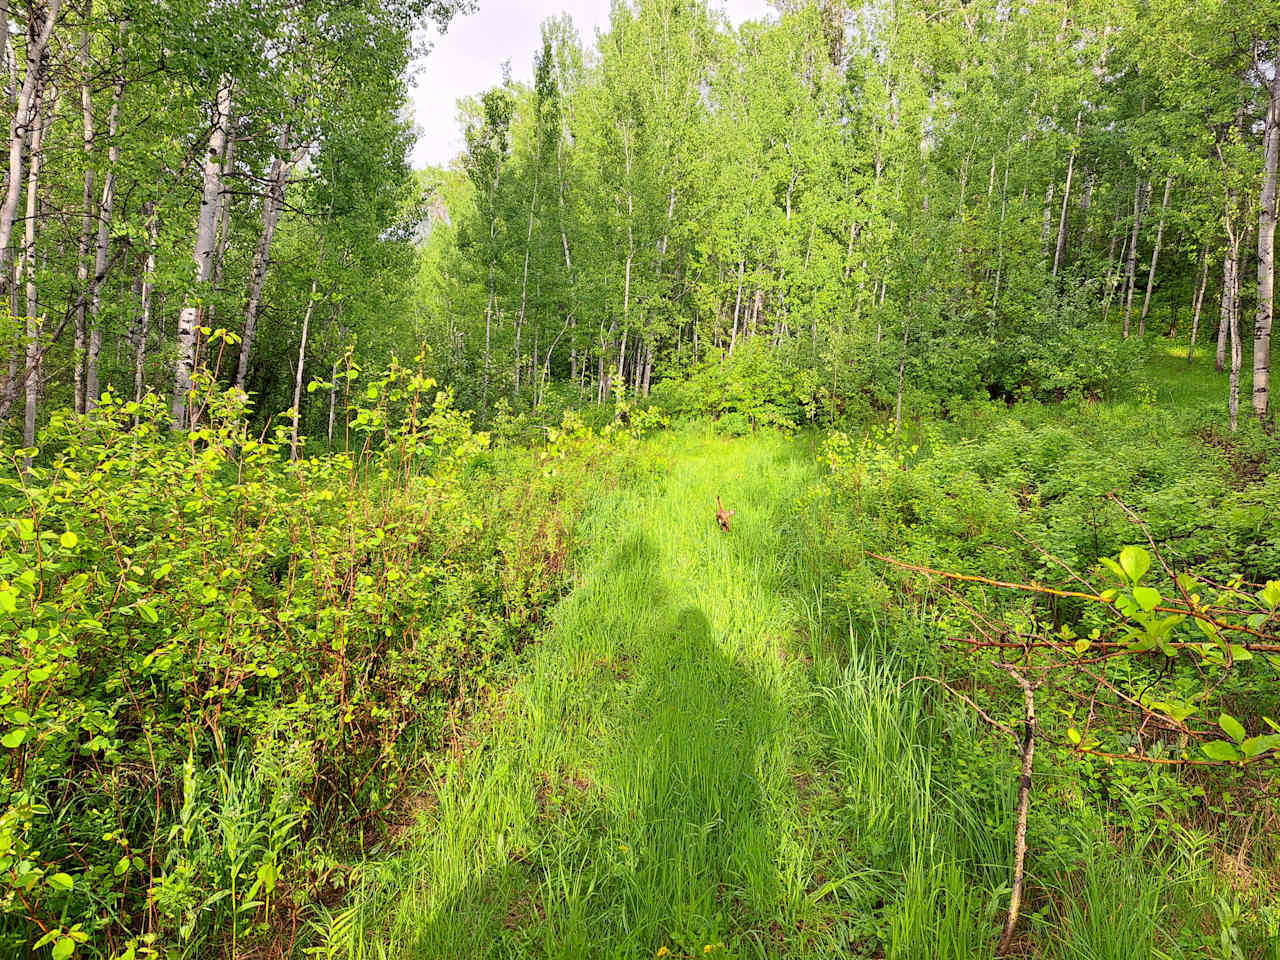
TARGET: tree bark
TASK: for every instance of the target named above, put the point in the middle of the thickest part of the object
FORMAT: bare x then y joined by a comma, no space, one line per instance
1028,750
282,165
1199,301
144,314
1139,192
1155,256
86,216
1060,248
102,248
24,118
34,324
1267,252
206,241
1230,288
302,357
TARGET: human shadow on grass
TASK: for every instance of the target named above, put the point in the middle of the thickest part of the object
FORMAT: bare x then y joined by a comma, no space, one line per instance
674,841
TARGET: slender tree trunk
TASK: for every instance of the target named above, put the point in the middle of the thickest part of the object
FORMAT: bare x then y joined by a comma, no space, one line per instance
902,367
24,119
302,359
282,165
1199,300
102,248
144,316
34,321
1233,323
524,280
1086,205
1028,750
1048,217
1267,252
1131,270
1155,256
1060,248
206,240
1230,290
86,216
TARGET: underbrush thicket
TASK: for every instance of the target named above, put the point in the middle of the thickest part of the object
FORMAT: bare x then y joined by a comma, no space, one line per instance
1125,858
1056,354
222,670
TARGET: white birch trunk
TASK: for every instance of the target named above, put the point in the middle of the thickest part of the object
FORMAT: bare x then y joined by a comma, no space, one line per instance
34,324
272,206
86,216
206,241
102,248
1199,301
22,122
1131,268
1267,252
302,357
1155,256
144,315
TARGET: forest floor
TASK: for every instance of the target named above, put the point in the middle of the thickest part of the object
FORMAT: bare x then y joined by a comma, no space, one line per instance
695,762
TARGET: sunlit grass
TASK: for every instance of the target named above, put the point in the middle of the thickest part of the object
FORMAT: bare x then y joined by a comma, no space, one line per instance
701,759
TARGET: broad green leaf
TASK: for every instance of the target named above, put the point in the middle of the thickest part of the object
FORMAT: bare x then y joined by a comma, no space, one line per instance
1148,597
1231,727
1113,567
61,881
13,739
1135,562
68,540
1261,744
1220,750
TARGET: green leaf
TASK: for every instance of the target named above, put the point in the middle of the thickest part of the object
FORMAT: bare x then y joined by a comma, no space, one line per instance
61,881
63,948
1261,744
1113,567
1073,735
1220,750
13,739
68,540
147,612
1148,597
1135,562
1231,727
1270,594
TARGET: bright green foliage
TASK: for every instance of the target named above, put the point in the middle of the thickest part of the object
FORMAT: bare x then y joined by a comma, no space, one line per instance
215,657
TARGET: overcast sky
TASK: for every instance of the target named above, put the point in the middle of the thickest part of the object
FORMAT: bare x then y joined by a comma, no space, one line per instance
469,58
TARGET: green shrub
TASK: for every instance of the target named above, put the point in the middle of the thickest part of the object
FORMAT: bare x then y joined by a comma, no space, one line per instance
212,656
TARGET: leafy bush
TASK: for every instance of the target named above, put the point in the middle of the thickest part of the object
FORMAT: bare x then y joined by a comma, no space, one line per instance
211,654
755,386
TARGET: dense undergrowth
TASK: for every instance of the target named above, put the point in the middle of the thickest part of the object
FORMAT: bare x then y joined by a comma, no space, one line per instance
1126,858
224,670
725,745
260,707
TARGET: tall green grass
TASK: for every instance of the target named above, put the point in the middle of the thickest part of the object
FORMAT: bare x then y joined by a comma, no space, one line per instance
704,758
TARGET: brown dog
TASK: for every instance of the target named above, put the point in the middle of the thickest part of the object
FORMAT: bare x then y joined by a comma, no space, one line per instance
723,515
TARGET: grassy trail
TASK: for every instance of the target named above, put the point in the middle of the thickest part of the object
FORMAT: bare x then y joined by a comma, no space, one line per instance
649,782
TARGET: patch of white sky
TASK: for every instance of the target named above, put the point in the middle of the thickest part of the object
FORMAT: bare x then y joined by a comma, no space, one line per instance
469,58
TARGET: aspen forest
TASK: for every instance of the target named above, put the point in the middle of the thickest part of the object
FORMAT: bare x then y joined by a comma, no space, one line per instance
792,479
